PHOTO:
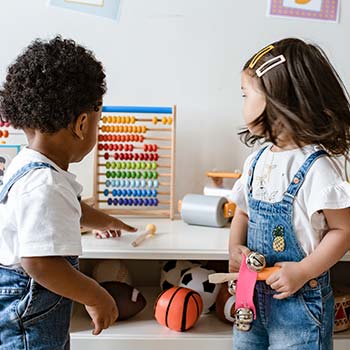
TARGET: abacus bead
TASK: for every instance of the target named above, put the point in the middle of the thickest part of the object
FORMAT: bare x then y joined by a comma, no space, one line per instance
118,138
146,156
122,183
128,174
105,146
144,129
138,165
155,148
121,156
108,183
115,201
151,156
150,183
155,120
131,201
123,165
116,156
120,147
141,201
133,165
145,175
111,147
144,193
151,201
134,193
143,183
132,182
116,183
164,120
119,119
100,147
122,138
108,174
143,165
114,164
119,174
149,166
139,175
142,156
154,193
123,174
129,192
155,202
149,193
119,192
137,183
136,201
114,174
106,192
124,192
115,147
146,201
119,165
131,147
154,165
6,133
145,147
121,201
109,201
108,165
136,156
128,165
156,157
126,147
155,175
141,138
114,193
133,174
139,193
150,174
155,183
170,120
132,120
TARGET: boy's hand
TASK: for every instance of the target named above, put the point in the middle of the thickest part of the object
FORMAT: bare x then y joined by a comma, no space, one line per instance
103,313
235,256
113,229
288,279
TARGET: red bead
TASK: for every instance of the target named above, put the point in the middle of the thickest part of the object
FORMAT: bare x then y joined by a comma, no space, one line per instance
116,156
100,137
131,148
121,156
146,156
122,138
118,138
155,148
136,138
115,147
127,138
106,156
142,156
132,138
136,156
151,156
120,147
100,146
114,137
126,147
105,137
110,137
156,156
141,138
110,147
145,147
105,146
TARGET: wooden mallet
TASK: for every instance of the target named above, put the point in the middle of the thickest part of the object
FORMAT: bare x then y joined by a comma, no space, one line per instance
149,232
225,277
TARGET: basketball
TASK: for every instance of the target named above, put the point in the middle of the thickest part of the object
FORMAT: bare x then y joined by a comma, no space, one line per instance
178,308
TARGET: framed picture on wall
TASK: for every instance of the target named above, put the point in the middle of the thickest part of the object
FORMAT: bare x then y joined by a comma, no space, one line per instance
103,8
7,153
320,10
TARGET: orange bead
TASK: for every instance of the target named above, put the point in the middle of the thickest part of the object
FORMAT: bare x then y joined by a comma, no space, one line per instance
155,120
133,120
164,120
170,120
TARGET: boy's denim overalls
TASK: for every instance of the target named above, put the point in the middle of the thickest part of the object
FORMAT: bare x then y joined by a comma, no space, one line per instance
303,321
31,317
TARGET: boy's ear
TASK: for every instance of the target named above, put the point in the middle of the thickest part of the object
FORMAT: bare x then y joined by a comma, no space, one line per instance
80,125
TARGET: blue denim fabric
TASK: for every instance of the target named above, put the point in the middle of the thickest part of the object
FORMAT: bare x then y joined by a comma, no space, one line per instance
31,317
304,321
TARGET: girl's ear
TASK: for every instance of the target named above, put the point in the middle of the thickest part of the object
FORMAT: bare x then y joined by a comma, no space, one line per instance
80,126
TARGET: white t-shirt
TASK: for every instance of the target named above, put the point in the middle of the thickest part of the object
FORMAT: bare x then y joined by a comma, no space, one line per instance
323,188
41,216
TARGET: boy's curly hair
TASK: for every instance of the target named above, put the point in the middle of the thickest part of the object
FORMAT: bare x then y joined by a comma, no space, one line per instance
50,84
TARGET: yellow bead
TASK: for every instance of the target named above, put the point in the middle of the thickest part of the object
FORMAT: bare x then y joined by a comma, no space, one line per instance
133,120
104,120
170,120
155,120
164,120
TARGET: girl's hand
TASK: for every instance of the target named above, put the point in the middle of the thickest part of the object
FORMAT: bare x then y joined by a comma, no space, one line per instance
288,279
235,256
113,229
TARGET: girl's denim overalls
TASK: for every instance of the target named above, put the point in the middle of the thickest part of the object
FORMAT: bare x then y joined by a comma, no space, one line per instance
303,321
31,317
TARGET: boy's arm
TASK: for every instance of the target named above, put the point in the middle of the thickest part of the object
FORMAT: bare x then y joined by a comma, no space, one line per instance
57,275
292,276
96,219
238,239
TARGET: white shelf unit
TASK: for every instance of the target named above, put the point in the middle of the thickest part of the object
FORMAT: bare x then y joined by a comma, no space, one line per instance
173,240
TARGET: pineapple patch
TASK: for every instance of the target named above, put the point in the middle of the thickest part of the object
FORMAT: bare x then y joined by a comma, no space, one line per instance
278,243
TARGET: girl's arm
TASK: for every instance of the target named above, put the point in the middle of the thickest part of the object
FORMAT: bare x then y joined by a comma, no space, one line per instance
238,239
96,219
292,276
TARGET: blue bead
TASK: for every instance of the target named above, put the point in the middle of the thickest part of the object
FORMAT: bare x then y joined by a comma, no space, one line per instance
139,193
137,183
129,192
132,183
141,201
155,202
114,193
119,192
143,183
116,183
155,183
146,202
121,201
127,183
144,193
136,201
134,193
151,201
106,192
109,201
115,201
131,201
124,192
150,183
149,193
108,183
154,193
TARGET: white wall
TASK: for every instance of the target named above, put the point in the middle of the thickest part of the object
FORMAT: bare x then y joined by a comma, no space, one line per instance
184,52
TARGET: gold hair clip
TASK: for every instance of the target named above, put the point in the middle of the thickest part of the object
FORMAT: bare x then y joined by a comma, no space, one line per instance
271,63
260,54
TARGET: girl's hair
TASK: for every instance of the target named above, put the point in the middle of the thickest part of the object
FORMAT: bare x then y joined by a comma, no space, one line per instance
305,98
50,84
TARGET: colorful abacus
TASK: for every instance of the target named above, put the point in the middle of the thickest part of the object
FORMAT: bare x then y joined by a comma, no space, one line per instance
135,161
6,131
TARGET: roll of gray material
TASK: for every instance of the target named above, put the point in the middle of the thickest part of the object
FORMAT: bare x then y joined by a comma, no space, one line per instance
203,210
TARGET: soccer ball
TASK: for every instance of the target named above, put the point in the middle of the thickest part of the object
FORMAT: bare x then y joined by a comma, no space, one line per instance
196,278
172,271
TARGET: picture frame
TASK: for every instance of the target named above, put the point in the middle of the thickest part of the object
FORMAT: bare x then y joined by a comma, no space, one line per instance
7,153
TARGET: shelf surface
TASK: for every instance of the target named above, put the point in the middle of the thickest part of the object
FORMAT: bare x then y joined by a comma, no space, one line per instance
142,331
173,240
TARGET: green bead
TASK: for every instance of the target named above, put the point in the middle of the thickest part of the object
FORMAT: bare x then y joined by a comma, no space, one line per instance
138,165
119,165
108,174
143,165
114,164
139,174
113,174
133,174
155,175
108,165
154,165
128,174
133,165
149,166
123,165
119,174
123,175
145,175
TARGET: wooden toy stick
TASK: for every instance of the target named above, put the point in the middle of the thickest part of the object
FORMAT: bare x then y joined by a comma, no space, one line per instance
225,277
149,232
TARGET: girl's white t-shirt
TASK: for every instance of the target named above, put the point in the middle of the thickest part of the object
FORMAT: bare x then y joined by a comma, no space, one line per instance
324,188
41,216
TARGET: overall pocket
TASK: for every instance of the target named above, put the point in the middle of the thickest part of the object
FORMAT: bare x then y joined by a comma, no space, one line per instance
312,303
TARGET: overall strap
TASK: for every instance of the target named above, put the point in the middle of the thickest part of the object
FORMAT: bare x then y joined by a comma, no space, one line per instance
19,174
252,168
299,177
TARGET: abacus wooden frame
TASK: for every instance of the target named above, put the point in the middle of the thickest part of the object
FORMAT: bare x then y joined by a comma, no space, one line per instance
167,212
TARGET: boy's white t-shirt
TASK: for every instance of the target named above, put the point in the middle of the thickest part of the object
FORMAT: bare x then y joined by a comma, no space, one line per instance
323,188
41,216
